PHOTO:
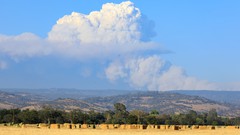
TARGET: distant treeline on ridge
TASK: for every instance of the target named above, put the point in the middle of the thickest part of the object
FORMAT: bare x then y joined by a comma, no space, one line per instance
119,115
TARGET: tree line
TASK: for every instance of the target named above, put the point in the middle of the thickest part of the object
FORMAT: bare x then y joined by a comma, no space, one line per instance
119,115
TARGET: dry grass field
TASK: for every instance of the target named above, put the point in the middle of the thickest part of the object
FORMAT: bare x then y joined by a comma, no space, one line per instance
35,131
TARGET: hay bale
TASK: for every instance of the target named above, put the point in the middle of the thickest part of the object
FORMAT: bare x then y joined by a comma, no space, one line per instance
150,127
67,126
142,126
174,127
157,126
195,127
84,126
231,127
134,127
3,125
110,126
55,126
203,127
29,126
163,127
22,125
73,126
127,126
91,126
104,126
8,124
77,126
17,125
168,127
43,125
211,127
122,126
182,127
61,125
116,126
97,126
219,127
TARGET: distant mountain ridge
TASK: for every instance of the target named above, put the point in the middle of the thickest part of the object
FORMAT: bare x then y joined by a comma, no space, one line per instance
18,100
232,97
55,93
31,101
164,102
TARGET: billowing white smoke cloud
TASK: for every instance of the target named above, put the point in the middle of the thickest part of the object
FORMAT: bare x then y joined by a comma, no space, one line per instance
115,29
3,65
154,73
116,32
113,24
24,45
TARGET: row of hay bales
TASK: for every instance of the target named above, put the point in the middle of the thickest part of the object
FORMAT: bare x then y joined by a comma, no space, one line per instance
125,126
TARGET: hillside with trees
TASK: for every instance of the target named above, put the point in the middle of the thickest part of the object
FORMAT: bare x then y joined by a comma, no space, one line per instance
166,103
119,115
163,102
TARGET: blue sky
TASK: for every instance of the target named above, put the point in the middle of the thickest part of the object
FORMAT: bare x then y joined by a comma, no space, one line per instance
202,37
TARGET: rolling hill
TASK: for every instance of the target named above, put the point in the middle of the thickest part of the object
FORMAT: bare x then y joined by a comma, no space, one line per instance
232,97
164,102
19,100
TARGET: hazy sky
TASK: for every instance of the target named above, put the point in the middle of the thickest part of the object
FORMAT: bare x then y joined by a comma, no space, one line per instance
147,45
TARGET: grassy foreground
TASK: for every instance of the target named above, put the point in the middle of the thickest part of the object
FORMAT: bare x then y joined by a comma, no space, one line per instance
33,131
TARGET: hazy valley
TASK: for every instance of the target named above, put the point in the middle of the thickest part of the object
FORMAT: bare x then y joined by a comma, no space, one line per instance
102,100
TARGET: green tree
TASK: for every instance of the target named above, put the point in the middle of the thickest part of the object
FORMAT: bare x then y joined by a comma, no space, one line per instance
95,118
7,118
199,121
154,113
108,115
12,112
73,116
140,116
212,117
166,119
176,119
235,121
132,119
191,117
151,119
120,114
29,116
50,115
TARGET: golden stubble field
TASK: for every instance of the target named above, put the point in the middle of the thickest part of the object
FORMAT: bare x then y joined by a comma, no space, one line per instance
35,131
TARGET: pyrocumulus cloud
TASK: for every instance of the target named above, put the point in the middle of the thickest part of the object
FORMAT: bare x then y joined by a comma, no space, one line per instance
154,73
119,35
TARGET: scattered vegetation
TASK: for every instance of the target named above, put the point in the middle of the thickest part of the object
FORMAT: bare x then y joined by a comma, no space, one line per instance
119,115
